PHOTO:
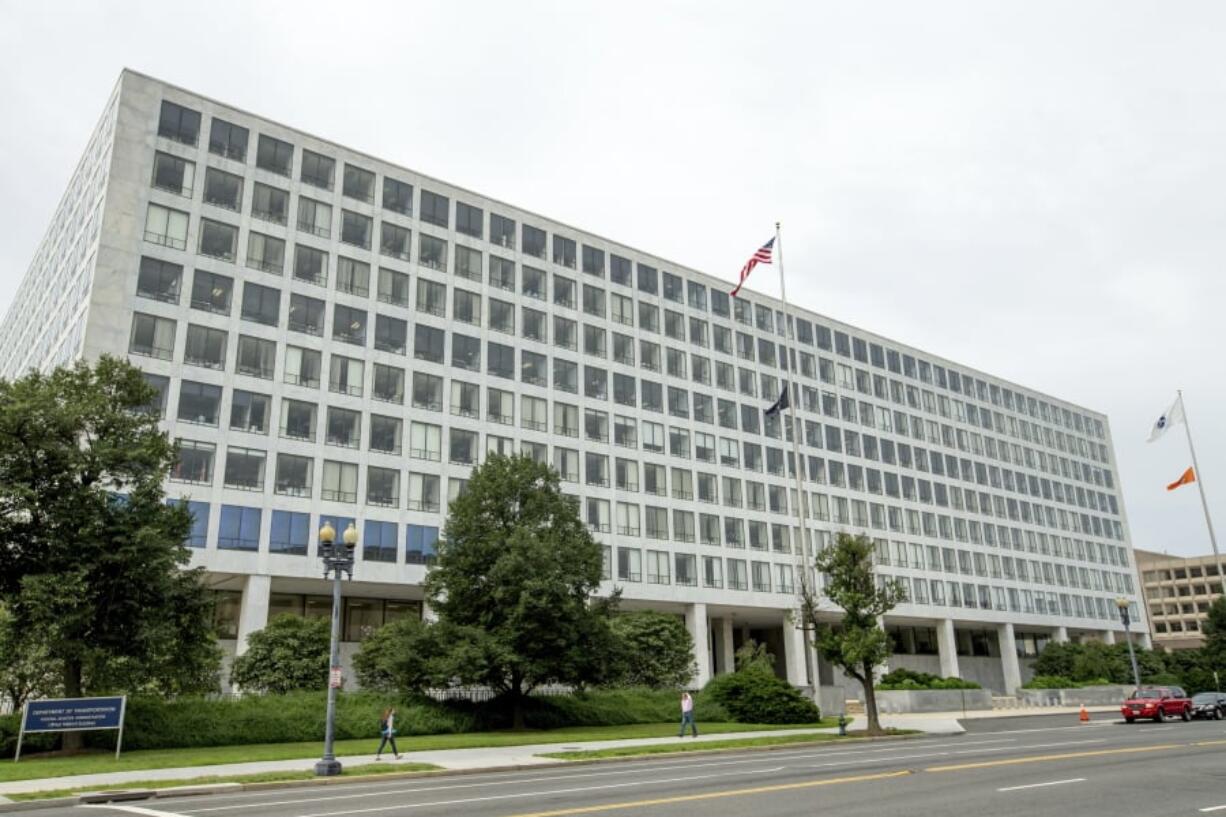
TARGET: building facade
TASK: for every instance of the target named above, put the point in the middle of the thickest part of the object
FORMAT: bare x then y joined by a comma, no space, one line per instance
336,337
1178,592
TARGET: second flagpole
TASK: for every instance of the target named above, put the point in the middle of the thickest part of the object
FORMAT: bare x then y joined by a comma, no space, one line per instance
1200,485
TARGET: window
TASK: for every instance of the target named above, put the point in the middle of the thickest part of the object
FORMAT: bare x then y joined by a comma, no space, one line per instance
294,475
223,189
393,287
533,241
465,352
270,204
166,227
359,184
623,349
593,340
345,375
647,279
205,347
274,155
564,251
431,298
218,240
593,261
249,411
310,265
159,280
629,565
533,283
199,403
532,368
383,489
649,317
388,384
565,375
173,174
261,304
565,333
593,300
394,241
317,170
340,482
563,291
565,420
435,209
314,217
291,532
657,567
533,413
228,140
302,367
160,386
595,383
179,123
397,196
239,528
500,360
469,220
673,289
306,315
622,309
420,544
344,428
195,462
432,252
349,325
265,253
500,406
623,389
566,463
620,270
596,469
423,492
244,469
356,229
391,334
697,295
211,292
427,391
463,447
502,316
256,357
425,441
466,306
465,399
352,277
625,432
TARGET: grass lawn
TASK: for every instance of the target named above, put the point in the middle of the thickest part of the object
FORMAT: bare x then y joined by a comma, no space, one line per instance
682,746
34,767
266,777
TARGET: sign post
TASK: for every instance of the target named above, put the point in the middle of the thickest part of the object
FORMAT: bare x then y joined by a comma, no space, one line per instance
72,715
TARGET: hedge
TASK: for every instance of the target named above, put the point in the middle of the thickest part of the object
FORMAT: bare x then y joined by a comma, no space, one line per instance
906,679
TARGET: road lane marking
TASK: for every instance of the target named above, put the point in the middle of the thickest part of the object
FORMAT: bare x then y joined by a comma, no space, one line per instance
1041,785
714,795
1158,747
148,812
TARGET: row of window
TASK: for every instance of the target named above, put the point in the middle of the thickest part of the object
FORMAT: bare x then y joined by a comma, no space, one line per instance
359,617
227,139
1011,599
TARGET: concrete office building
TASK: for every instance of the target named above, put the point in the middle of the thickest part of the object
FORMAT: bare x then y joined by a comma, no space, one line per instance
335,336
1178,592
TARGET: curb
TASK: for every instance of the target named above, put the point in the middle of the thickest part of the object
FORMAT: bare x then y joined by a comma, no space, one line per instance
171,792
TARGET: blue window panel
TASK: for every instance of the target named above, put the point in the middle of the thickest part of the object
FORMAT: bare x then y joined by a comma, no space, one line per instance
291,533
240,528
198,536
379,541
339,523
420,544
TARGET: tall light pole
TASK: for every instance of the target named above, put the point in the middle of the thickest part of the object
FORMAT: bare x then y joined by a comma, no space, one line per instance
338,560
1122,603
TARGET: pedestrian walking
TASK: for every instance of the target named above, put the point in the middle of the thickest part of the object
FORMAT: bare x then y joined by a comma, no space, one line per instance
387,730
687,714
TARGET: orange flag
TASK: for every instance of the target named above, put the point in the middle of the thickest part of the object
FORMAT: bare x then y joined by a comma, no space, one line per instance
1187,478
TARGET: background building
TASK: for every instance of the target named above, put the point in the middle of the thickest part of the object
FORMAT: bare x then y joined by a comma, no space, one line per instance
1178,592
334,336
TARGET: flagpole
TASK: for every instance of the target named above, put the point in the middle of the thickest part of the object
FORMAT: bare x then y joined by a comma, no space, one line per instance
806,625
1200,484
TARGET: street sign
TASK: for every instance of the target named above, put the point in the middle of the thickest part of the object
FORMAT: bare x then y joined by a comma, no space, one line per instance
72,715
334,678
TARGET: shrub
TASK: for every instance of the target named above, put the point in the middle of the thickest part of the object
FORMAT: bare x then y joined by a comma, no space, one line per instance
289,654
903,679
652,650
752,695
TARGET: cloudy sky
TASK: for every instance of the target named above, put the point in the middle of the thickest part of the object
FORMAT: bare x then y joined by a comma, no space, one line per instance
1035,189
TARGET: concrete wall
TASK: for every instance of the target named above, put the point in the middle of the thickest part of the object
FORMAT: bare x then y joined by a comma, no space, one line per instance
1090,696
935,700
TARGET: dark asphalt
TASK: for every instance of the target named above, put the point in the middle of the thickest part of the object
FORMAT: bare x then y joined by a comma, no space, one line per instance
1007,767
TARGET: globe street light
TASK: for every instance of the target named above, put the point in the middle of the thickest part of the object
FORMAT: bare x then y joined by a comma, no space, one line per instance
1123,603
338,560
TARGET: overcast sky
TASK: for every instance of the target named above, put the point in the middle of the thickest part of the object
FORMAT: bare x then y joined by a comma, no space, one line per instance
1035,189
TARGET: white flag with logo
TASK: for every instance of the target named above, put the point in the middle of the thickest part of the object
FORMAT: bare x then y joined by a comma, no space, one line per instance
1169,417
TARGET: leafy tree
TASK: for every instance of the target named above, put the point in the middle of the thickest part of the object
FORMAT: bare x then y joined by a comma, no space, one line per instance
653,650
26,670
516,575
859,644
91,555
1214,629
410,656
291,653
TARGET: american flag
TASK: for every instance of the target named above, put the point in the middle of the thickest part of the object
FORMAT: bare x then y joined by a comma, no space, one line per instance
761,256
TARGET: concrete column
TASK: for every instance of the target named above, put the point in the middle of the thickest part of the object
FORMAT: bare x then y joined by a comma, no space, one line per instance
1108,636
696,623
794,652
253,614
1144,641
1061,635
728,652
427,612
947,646
1008,658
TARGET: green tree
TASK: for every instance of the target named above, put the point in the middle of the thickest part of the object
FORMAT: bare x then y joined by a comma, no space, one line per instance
516,576
26,670
291,653
653,650
1214,629
409,656
859,644
91,555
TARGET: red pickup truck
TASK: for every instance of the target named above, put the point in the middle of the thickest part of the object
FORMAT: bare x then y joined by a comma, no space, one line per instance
1158,703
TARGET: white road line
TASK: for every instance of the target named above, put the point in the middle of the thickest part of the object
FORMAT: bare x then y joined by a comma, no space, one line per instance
1029,746
1041,785
148,812
1212,808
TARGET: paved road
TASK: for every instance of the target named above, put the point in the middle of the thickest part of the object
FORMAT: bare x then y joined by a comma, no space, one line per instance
1025,766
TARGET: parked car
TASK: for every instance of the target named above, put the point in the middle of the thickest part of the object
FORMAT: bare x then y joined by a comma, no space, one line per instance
1158,703
1209,705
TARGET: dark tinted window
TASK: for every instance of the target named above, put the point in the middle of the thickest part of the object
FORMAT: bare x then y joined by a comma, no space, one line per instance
469,220
229,140
397,196
274,155
179,123
434,208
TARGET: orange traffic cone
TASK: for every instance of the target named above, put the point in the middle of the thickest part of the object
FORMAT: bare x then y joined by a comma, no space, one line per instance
1084,716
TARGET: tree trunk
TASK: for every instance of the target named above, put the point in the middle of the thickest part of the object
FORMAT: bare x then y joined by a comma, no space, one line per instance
870,701
517,702
72,741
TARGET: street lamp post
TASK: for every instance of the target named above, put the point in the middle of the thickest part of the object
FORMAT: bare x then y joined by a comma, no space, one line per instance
338,560
1122,603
